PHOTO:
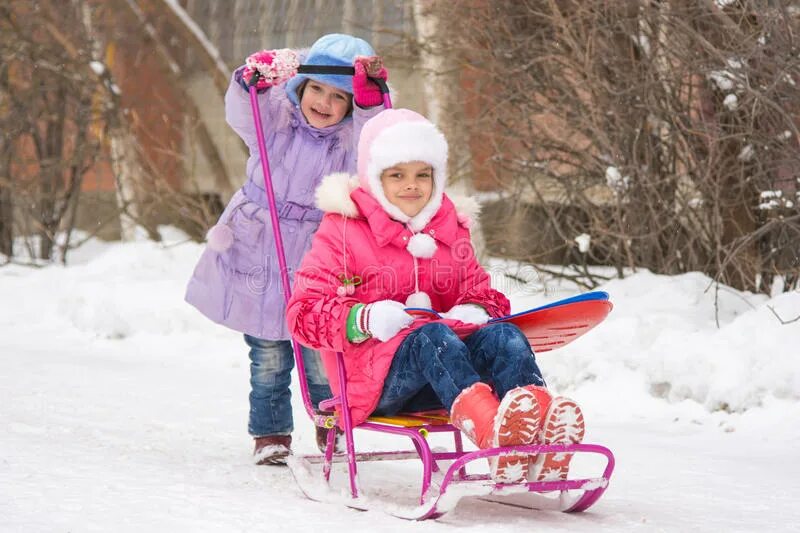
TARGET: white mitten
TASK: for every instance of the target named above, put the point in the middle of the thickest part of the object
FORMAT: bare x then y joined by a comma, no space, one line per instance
384,319
468,313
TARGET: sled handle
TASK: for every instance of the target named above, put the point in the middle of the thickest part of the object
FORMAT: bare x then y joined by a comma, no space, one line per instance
262,150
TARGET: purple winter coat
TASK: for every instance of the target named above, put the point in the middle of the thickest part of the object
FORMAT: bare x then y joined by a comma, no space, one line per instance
241,287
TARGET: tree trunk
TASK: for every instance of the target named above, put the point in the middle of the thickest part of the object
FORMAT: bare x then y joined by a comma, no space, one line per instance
6,205
125,165
349,16
193,36
6,223
444,105
50,164
213,65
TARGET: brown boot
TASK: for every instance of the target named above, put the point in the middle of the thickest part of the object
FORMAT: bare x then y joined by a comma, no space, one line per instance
322,439
272,449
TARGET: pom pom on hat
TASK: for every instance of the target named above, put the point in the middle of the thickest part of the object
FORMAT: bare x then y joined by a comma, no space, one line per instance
419,299
421,245
219,238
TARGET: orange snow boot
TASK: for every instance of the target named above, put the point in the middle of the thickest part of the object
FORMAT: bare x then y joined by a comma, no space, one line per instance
562,424
473,412
490,423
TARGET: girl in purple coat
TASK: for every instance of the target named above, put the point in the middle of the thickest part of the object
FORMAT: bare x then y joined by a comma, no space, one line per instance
312,124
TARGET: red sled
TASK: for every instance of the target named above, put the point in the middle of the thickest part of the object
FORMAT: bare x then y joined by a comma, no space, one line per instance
556,324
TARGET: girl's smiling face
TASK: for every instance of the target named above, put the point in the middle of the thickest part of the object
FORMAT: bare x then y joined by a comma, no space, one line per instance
408,186
324,105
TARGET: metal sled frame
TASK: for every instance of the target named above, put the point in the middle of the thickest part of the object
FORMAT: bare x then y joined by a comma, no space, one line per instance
433,503
417,426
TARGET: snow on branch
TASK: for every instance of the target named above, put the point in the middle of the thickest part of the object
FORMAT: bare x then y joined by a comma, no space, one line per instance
199,35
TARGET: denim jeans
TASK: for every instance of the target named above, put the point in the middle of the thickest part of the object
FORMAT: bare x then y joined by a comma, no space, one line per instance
432,366
271,364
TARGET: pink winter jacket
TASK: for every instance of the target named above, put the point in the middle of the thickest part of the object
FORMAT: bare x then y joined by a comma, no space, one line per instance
376,251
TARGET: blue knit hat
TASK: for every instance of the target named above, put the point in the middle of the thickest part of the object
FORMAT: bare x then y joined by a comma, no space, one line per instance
334,49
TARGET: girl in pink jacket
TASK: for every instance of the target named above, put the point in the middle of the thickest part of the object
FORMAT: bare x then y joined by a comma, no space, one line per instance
392,240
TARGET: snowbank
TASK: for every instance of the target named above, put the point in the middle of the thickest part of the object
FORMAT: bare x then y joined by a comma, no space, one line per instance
668,339
681,338
125,410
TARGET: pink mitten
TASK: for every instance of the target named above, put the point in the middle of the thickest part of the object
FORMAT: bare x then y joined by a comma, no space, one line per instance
366,93
468,313
273,66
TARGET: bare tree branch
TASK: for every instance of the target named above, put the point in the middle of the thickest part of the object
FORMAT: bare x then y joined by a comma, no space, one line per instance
666,132
782,321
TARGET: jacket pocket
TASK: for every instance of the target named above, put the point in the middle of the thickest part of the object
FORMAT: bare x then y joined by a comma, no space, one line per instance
247,251
246,271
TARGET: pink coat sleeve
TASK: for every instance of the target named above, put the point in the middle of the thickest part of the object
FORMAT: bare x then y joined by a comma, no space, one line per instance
475,288
316,315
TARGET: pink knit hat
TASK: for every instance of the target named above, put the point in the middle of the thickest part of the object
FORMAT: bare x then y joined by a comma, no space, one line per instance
400,136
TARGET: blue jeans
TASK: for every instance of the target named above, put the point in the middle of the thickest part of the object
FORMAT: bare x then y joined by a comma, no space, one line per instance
432,366
271,364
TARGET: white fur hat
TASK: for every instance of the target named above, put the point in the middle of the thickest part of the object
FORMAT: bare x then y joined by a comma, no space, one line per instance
401,136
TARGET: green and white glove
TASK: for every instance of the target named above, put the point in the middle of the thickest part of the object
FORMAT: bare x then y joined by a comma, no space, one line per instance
383,320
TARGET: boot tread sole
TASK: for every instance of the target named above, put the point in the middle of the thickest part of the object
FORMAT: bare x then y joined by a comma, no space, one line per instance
563,424
517,423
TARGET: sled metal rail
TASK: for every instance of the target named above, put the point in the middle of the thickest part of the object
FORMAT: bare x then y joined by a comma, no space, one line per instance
434,499
417,427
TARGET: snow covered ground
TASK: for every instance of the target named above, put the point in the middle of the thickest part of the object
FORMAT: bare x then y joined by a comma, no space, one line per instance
123,409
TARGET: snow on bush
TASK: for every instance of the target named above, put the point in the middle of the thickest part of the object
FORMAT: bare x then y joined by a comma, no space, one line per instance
662,341
616,181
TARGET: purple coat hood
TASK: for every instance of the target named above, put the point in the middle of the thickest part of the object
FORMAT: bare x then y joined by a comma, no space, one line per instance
240,287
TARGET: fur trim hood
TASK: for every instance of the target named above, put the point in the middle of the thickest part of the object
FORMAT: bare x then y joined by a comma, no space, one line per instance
333,196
